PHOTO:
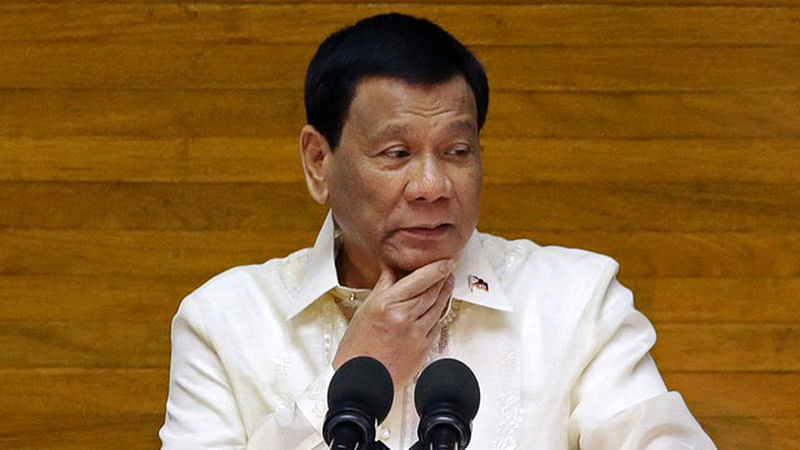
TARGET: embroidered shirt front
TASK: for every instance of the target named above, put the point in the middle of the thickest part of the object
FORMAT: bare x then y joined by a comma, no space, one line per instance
560,353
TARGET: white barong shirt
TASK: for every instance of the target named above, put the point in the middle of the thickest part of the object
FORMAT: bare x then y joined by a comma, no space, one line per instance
561,355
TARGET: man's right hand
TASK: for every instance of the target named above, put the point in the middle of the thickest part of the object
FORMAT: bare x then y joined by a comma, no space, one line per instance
399,320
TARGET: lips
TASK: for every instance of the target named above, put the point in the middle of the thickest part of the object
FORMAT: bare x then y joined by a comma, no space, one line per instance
428,231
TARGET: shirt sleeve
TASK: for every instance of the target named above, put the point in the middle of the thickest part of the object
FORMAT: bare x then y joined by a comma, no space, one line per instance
620,400
202,410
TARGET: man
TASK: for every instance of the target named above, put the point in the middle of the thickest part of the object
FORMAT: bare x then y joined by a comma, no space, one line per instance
398,272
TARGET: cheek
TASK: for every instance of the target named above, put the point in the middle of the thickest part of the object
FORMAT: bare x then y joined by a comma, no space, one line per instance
363,193
470,189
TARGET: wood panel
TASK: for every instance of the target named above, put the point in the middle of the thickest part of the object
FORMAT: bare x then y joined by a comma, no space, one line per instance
714,394
753,432
475,25
83,391
260,113
717,300
500,2
134,253
155,298
96,344
633,68
532,206
728,347
54,431
159,206
94,298
604,115
204,253
512,160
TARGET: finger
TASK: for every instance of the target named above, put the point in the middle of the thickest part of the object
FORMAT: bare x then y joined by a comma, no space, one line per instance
386,278
422,279
433,315
385,281
425,301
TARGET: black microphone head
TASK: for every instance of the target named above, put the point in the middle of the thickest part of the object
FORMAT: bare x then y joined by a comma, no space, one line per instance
448,381
366,381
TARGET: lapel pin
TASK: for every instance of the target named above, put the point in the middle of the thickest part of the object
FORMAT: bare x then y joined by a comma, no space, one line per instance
477,283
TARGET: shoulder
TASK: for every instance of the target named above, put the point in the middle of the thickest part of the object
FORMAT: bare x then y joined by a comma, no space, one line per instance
256,290
525,258
551,280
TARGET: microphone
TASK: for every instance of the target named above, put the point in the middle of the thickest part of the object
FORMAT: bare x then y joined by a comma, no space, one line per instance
447,397
359,395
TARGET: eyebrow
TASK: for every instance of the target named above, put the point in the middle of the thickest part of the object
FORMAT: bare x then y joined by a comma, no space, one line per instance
460,125
392,130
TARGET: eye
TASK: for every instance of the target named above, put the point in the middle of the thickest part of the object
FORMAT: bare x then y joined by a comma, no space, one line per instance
459,150
397,153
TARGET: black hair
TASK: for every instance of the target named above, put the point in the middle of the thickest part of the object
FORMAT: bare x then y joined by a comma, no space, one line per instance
395,46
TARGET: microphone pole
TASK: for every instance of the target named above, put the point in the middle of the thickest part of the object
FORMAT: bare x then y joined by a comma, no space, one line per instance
347,437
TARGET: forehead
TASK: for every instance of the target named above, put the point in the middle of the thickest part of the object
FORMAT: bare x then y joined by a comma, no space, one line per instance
386,103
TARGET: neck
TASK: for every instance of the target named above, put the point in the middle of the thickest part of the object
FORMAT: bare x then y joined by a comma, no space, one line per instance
354,271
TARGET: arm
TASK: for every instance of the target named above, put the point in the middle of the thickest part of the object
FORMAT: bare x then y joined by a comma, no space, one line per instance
202,411
620,401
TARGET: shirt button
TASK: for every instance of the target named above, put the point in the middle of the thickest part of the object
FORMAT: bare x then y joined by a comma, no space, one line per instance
384,434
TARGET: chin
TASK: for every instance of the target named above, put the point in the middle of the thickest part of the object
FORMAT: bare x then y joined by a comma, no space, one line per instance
412,260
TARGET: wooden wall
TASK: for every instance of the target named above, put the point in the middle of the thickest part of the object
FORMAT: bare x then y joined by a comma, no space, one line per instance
148,144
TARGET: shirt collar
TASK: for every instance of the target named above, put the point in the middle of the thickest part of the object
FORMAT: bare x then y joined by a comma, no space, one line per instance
475,280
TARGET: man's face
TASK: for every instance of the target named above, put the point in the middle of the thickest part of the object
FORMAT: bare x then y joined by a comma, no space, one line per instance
404,184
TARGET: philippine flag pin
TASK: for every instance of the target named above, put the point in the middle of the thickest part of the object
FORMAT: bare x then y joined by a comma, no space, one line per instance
477,283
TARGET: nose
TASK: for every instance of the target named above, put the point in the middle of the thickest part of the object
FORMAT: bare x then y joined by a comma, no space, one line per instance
428,181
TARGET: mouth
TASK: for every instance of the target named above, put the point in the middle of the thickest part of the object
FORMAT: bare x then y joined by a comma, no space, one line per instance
428,231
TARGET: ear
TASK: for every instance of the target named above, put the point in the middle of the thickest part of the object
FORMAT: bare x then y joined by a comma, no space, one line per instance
314,150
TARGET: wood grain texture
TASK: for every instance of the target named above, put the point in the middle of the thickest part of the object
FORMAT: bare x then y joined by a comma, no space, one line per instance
204,253
139,252
94,298
499,2
270,113
717,300
520,24
728,347
534,207
741,394
634,68
83,391
95,344
55,431
604,115
753,432
505,160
